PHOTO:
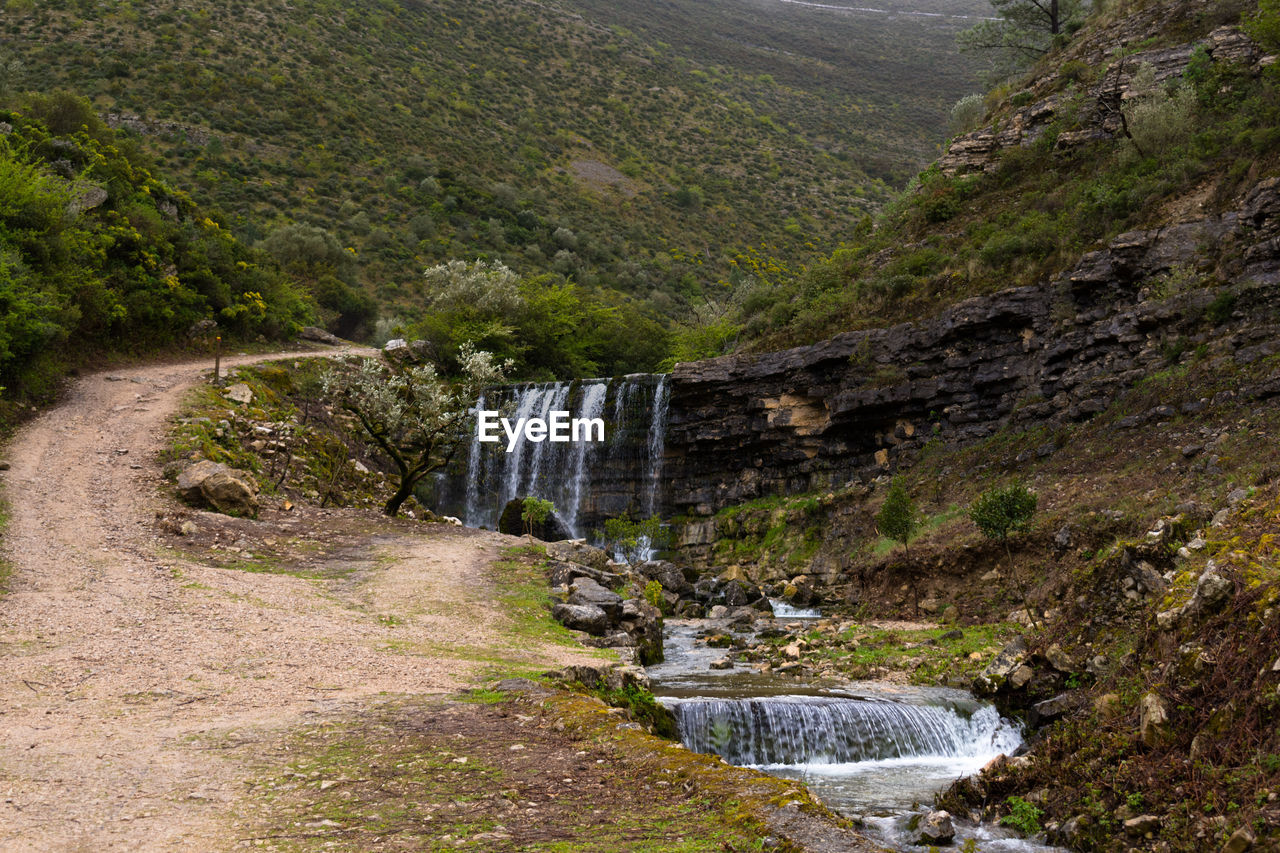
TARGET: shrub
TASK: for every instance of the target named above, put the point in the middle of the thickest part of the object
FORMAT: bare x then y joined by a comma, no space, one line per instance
1000,511
967,114
534,512
897,516
1023,816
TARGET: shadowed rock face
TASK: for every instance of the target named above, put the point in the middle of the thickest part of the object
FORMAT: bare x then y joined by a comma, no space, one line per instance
861,403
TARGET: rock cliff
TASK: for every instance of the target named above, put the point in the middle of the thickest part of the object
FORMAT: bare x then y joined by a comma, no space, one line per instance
860,404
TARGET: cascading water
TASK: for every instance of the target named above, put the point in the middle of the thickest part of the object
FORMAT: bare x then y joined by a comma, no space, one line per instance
586,481
811,730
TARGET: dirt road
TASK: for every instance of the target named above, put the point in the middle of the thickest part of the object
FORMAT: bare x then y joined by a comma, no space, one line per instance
135,681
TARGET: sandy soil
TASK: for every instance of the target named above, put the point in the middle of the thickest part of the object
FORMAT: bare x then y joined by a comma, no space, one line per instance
136,681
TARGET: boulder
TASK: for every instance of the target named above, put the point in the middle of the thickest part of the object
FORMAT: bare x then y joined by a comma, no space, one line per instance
318,335
1000,672
231,492
936,828
578,551
227,490
669,575
511,522
190,478
739,594
800,592
585,591
563,574
643,623
581,617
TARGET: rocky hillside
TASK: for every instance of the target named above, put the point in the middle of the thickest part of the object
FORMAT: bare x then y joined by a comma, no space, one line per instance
1156,113
1130,378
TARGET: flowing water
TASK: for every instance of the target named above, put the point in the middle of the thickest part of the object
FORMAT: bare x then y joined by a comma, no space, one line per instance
874,750
586,481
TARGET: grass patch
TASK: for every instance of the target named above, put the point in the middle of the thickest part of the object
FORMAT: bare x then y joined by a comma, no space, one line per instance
503,773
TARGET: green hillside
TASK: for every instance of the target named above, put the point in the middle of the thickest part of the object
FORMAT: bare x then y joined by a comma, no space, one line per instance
589,140
99,255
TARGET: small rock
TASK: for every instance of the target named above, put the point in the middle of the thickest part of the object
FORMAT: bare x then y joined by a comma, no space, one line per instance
1220,518
1062,540
4,466
722,663
1059,659
1241,840
1050,709
1142,825
1153,725
239,393
1236,496
188,528
936,828
1021,677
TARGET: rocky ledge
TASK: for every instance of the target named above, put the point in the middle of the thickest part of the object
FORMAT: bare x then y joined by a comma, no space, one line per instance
857,405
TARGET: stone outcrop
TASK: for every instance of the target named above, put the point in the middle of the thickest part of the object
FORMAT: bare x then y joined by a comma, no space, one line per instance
317,335
857,405
1099,118
583,580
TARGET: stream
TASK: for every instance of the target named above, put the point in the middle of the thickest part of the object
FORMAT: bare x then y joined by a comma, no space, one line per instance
869,750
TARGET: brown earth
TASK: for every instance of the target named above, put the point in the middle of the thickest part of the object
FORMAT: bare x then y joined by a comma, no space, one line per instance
137,679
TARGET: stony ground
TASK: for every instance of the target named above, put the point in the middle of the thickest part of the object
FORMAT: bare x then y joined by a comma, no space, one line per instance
172,679
137,678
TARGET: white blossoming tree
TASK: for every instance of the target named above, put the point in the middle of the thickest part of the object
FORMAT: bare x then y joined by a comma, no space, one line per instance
415,416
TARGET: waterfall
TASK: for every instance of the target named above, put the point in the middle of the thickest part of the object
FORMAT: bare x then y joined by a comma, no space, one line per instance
586,481
592,407
657,444
812,730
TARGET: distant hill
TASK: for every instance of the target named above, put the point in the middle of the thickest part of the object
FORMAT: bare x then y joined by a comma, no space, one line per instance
651,153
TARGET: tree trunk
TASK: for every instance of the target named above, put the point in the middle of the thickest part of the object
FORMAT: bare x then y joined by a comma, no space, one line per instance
1055,22
392,507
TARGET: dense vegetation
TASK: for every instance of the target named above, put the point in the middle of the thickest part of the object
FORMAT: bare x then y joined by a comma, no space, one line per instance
1043,206
99,255
582,142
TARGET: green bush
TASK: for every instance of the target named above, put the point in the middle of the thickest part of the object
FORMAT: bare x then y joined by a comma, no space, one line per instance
1023,816
897,519
1003,510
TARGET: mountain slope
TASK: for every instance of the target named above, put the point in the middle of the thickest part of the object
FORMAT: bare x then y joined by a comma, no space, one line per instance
528,132
1050,174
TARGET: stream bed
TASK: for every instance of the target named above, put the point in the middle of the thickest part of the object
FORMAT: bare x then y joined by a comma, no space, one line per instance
869,750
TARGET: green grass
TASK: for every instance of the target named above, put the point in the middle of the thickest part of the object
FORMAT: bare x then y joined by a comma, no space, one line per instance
6,567
523,594
925,655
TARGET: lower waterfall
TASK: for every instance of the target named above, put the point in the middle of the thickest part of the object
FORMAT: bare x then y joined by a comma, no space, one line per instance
812,730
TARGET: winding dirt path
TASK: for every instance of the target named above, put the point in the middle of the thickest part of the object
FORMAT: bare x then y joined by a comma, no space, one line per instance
136,682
